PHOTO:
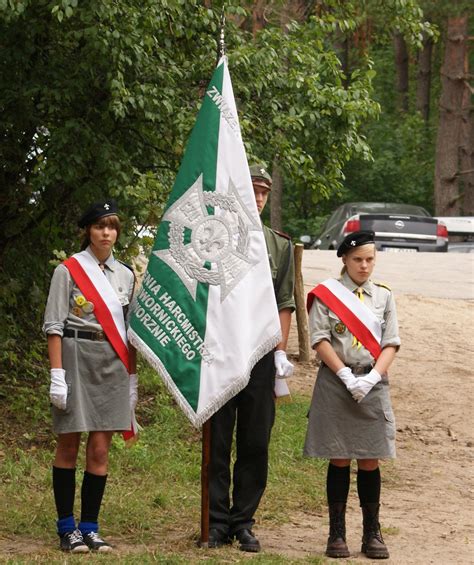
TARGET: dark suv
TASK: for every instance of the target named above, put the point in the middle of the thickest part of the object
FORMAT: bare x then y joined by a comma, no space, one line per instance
397,227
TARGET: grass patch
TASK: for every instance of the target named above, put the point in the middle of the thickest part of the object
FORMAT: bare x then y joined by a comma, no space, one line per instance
152,502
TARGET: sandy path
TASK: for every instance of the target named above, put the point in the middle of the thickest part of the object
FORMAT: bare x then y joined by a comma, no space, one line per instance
427,493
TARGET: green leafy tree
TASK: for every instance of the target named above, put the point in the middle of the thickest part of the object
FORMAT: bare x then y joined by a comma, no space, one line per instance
99,99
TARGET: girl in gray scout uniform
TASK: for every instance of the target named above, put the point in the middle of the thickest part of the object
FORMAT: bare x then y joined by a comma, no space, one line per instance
91,389
351,415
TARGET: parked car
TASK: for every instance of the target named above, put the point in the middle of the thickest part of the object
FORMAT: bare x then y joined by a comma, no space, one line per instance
397,227
461,233
459,226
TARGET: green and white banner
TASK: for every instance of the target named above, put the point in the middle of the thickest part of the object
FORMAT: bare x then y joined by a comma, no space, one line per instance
206,310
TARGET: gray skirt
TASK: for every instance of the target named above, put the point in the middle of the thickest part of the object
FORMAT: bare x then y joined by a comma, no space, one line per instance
340,428
98,389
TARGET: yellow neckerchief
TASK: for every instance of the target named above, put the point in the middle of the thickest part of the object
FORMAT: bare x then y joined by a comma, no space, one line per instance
359,292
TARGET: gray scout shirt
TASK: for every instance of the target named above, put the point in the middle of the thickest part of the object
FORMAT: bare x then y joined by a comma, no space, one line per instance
324,324
63,306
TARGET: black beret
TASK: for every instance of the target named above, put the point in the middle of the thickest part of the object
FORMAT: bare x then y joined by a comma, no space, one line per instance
96,211
355,239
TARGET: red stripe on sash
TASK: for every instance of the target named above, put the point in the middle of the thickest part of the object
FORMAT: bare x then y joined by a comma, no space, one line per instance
101,311
356,327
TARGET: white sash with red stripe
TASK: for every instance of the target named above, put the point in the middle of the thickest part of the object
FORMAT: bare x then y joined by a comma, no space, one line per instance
107,309
360,320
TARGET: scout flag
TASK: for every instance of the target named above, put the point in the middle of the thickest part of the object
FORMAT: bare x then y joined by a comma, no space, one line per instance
206,311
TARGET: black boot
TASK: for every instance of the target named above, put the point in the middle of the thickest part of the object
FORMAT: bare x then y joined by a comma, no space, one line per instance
337,546
372,542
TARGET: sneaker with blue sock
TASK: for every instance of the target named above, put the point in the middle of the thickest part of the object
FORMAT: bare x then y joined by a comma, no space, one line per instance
73,542
90,535
70,539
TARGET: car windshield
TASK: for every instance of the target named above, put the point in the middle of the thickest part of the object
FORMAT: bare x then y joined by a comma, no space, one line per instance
387,208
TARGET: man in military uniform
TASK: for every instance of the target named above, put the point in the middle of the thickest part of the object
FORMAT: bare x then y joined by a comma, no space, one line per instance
253,408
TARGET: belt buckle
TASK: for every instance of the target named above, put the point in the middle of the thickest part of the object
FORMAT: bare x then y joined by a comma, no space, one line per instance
358,370
99,336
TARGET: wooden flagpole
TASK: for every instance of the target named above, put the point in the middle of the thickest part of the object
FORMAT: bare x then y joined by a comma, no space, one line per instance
206,457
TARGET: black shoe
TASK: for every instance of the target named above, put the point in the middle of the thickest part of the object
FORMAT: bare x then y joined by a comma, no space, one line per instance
248,542
73,542
96,543
218,538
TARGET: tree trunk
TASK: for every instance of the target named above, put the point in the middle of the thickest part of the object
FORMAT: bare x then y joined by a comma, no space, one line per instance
401,67
447,196
258,19
466,157
276,196
423,86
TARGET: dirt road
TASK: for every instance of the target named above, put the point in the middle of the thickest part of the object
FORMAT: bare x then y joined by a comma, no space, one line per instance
427,513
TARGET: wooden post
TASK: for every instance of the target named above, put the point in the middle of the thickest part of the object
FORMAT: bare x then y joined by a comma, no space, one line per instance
206,456
300,299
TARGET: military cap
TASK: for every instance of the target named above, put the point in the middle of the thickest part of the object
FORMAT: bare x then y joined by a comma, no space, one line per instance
259,172
355,239
96,211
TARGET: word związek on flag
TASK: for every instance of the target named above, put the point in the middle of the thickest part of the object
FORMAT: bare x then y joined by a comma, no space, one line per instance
206,310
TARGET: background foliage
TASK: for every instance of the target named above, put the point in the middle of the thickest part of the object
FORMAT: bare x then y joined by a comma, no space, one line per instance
99,99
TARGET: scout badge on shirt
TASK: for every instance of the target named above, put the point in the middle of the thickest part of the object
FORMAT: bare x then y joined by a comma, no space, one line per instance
77,311
358,318
100,296
83,306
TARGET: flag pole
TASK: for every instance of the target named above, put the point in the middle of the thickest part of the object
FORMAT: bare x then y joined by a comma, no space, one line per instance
221,40
206,428
206,457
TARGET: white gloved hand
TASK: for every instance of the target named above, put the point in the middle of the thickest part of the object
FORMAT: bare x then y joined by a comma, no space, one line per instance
347,377
133,391
363,385
284,368
58,388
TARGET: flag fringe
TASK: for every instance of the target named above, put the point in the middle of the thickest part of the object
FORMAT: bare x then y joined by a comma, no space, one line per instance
155,362
237,385
240,382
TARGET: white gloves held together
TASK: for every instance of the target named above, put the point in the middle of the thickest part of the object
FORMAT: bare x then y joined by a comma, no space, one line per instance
58,388
359,387
284,368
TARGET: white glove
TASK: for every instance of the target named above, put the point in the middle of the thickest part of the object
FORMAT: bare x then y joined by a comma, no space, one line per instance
58,388
363,385
284,368
346,376
133,391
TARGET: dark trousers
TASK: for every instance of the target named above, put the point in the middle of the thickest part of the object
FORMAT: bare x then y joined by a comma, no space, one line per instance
254,410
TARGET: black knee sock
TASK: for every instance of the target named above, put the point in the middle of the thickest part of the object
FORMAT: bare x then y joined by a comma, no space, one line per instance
64,488
337,483
368,486
93,487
